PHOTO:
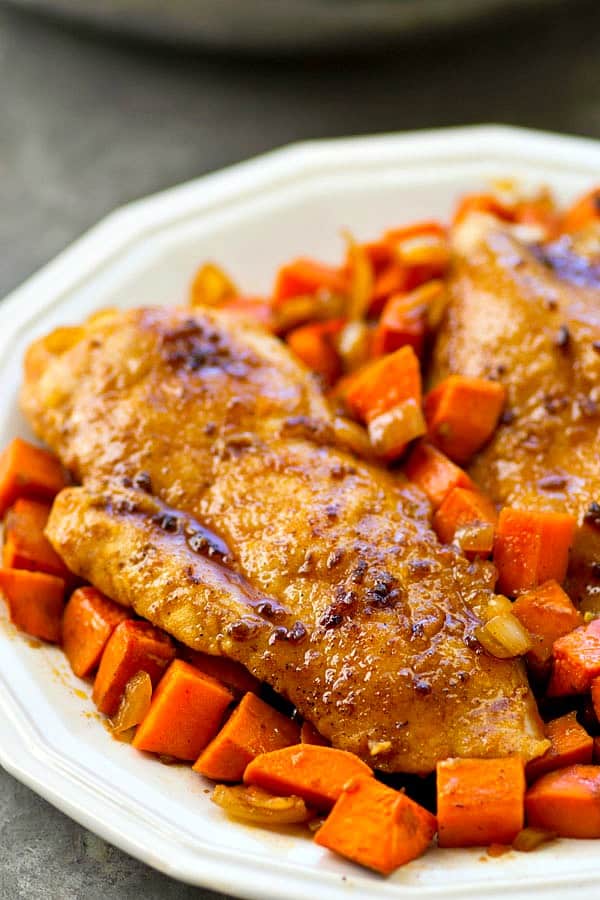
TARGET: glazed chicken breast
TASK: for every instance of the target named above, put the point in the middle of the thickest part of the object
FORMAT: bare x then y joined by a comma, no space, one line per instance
530,317
319,572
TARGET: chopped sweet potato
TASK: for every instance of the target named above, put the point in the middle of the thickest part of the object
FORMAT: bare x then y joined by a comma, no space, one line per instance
133,647
317,774
376,826
25,544
462,507
310,735
576,661
435,474
462,414
531,548
28,471
384,383
305,276
547,613
479,801
566,802
35,602
88,622
569,744
185,714
232,674
314,344
253,728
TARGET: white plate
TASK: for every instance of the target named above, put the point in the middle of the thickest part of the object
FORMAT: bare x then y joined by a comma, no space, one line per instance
251,218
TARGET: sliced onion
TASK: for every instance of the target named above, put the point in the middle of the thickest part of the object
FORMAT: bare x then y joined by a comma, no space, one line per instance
211,286
305,308
477,537
353,344
498,605
391,431
252,804
361,279
424,250
504,636
134,704
531,838
352,436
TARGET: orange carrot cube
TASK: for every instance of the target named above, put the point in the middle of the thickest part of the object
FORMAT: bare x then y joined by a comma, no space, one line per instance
25,544
385,383
376,826
435,474
480,801
569,744
462,507
88,622
133,647
462,414
531,548
566,802
28,471
305,276
547,613
315,345
253,728
35,602
404,320
576,661
583,212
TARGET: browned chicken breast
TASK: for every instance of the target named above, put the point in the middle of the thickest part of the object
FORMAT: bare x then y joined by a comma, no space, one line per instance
330,585
531,318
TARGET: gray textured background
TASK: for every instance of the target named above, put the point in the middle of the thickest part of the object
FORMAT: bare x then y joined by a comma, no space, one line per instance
87,124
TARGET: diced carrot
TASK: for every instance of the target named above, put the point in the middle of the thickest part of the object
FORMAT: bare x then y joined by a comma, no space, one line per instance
310,735
479,801
28,471
185,714
305,276
596,750
231,673
384,383
390,432
531,548
211,286
88,622
404,320
35,602
539,211
379,253
462,414
460,507
435,474
254,308
566,802
253,728
314,344
132,647
317,774
427,227
376,826
576,661
483,203
391,279
547,613
25,544
569,744
583,212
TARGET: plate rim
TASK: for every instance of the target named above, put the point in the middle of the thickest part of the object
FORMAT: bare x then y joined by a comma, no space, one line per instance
21,750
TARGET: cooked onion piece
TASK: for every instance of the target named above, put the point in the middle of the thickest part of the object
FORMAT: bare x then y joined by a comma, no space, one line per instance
134,704
252,804
504,636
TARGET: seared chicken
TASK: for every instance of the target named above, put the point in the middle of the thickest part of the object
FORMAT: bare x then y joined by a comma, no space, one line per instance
320,572
531,318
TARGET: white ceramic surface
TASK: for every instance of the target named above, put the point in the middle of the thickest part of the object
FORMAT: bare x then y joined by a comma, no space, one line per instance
251,218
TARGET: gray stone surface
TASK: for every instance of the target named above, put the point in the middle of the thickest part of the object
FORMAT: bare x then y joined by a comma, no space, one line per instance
86,125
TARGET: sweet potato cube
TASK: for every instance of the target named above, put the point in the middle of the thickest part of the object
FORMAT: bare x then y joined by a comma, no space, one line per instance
435,474
377,827
566,802
133,647
462,414
253,728
88,622
306,276
480,801
25,544
28,471
317,774
547,613
569,744
576,661
531,548
35,602
185,713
